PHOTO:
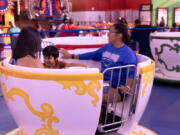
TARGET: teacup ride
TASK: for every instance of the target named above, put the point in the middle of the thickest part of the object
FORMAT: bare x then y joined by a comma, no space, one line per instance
71,43
68,101
4,53
165,48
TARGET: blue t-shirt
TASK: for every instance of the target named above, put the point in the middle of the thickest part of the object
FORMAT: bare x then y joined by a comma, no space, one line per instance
113,57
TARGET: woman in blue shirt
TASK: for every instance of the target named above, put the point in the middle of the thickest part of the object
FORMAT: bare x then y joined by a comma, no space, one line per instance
115,53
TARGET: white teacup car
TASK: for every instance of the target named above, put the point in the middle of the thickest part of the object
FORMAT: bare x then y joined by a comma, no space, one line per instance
165,48
68,101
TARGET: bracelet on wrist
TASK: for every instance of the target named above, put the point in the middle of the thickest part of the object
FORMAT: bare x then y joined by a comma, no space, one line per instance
127,86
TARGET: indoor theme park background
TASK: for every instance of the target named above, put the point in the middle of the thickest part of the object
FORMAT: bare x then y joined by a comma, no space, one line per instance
170,4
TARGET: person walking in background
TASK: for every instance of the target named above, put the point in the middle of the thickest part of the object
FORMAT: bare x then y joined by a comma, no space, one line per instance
52,29
39,28
13,29
122,20
162,25
68,26
174,28
141,34
2,42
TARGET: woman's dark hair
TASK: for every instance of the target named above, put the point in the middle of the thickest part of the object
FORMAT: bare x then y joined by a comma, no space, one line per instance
51,51
122,28
28,43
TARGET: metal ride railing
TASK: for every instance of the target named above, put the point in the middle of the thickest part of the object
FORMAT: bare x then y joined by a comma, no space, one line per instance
116,113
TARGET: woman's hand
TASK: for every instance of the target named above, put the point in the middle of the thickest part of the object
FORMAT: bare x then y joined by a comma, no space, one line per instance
123,88
65,54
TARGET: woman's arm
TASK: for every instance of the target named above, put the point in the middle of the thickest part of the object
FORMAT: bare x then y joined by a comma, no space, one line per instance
67,55
128,85
93,55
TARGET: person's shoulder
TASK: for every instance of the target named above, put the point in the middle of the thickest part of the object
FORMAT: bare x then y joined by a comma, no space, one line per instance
36,63
9,29
108,45
73,26
14,29
30,62
45,65
129,54
17,28
64,27
127,49
60,64
39,64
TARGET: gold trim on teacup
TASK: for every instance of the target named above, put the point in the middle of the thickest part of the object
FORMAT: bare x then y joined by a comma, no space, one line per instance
148,68
147,79
66,80
141,130
148,74
148,129
49,76
46,115
82,88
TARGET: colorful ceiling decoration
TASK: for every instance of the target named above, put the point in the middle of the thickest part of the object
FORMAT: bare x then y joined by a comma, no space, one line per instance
57,9
5,5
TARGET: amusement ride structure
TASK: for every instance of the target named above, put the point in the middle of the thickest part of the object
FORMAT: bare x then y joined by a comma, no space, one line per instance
46,9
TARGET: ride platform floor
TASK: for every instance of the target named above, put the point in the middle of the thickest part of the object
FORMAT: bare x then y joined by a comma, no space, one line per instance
161,114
